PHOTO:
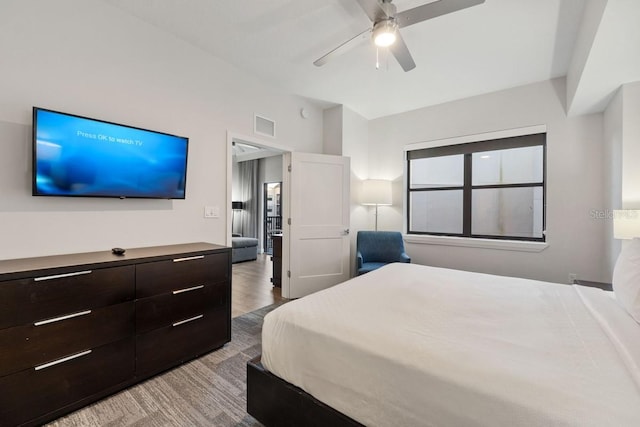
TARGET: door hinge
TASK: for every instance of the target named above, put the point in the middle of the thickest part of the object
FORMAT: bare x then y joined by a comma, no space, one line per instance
289,168
288,273
288,221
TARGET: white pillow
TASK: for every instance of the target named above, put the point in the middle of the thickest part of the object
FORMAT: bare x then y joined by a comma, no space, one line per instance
626,278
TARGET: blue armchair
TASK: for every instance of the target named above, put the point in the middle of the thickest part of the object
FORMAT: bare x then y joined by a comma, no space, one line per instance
377,248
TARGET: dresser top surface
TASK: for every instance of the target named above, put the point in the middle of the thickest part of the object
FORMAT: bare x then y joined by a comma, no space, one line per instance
17,268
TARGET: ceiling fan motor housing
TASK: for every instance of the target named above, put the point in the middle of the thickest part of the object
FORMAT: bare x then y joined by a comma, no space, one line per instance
389,8
385,26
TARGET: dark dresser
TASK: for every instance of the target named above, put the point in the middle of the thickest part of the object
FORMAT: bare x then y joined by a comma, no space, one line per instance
76,328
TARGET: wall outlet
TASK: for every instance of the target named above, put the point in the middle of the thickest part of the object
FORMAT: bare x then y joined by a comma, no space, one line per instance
572,277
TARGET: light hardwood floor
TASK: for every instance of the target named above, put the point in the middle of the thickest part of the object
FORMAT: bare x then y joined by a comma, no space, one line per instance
251,287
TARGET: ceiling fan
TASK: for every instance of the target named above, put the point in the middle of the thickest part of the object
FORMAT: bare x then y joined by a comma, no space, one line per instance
387,23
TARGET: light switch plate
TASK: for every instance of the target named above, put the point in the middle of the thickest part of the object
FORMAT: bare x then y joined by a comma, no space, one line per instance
212,212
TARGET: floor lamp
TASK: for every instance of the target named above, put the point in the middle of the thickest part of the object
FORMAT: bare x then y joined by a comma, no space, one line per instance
235,206
376,192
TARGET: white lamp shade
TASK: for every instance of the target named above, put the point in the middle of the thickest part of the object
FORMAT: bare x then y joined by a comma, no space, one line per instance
626,224
376,192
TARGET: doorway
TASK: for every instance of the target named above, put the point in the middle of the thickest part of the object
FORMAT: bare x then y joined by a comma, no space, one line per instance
264,160
318,233
253,285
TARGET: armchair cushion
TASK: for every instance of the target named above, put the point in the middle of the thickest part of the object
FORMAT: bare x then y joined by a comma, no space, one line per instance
370,266
377,248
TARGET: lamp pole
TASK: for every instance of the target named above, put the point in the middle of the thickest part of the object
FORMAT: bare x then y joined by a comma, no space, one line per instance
376,217
235,206
376,192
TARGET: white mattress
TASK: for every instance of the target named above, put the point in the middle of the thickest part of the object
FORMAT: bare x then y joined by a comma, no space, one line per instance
411,345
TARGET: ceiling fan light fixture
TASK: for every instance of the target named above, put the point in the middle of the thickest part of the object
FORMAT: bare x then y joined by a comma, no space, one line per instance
384,33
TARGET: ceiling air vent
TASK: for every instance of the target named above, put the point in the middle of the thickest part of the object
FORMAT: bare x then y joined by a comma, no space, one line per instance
264,126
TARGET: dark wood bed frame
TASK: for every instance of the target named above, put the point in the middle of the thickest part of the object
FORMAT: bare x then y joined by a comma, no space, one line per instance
275,402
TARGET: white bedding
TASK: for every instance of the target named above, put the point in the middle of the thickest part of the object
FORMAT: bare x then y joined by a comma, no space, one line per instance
411,345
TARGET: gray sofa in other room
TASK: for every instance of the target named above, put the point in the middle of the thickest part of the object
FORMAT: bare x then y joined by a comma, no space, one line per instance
244,249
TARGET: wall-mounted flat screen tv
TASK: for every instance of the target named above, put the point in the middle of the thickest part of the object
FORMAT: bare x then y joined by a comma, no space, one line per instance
78,156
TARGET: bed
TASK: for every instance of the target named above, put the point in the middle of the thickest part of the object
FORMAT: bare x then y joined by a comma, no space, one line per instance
410,345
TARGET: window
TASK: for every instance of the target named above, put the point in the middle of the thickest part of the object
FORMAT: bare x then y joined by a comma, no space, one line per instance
488,189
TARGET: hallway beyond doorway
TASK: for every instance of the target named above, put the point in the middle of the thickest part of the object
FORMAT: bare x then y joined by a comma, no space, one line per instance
251,286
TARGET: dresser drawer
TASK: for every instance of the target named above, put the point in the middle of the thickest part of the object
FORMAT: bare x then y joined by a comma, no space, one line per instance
32,393
28,300
166,309
51,339
169,346
159,277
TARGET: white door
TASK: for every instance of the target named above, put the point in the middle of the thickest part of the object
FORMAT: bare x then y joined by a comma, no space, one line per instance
316,244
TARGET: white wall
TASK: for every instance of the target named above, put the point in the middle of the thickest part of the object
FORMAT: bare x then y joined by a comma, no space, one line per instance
355,139
235,181
630,145
574,178
333,127
613,174
591,19
622,151
86,57
270,170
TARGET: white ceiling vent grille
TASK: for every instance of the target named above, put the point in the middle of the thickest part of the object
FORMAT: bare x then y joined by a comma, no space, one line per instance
264,126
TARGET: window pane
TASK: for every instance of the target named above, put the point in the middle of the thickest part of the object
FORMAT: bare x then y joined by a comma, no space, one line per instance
436,211
512,166
433,172
512,212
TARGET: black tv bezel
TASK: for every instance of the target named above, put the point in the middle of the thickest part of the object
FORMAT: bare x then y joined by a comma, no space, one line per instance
34,191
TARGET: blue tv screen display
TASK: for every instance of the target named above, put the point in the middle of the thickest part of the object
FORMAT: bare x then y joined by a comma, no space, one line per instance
78,156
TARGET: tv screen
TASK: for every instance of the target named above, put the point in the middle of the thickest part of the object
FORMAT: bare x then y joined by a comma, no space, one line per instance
78,156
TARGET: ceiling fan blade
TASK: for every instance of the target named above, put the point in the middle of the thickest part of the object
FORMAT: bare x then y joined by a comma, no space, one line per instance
401,52
432,10
348,45
373,9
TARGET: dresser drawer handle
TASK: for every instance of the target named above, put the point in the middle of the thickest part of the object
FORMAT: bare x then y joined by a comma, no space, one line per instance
65,317
191,319
59,276
64,359
195,288
189,258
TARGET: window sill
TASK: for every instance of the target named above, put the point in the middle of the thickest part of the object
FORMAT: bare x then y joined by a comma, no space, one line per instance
505,245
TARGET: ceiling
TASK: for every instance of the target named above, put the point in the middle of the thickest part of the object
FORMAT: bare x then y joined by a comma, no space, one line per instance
243,151
493,46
